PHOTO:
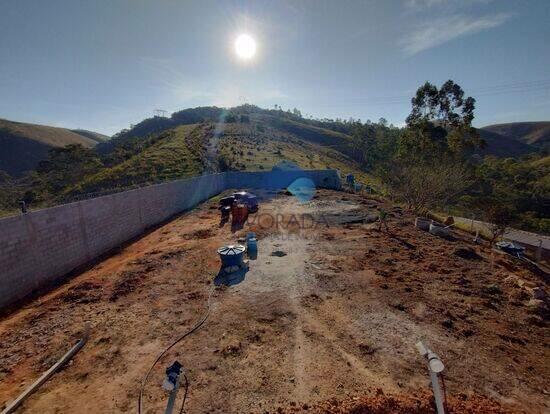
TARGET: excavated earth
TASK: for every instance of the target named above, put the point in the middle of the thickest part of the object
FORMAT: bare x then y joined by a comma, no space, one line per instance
325,320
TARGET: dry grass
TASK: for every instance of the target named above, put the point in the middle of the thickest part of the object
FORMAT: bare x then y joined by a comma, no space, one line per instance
51,136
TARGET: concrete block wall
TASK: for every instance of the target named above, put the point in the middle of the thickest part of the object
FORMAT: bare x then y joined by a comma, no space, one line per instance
281,179
39,247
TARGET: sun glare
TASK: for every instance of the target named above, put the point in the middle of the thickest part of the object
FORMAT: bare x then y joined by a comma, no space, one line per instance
245,47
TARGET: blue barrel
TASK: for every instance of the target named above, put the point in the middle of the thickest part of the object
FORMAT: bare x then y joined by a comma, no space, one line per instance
232,255
252,247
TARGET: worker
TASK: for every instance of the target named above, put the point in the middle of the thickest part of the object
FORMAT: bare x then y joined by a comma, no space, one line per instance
382,219
23,207
350,180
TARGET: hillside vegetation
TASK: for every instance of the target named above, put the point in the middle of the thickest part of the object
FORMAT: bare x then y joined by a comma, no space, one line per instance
245,139
96,136
534,133
262,144
176,153
187,150
503,146
23,145
438,162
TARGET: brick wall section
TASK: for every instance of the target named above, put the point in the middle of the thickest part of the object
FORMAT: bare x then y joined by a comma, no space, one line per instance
42,246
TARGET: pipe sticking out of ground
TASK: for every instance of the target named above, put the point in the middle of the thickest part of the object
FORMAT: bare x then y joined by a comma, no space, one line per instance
53,369
435,367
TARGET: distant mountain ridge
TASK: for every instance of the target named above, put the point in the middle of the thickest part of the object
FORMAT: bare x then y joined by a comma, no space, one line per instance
24,145
96,136
503,146
532,133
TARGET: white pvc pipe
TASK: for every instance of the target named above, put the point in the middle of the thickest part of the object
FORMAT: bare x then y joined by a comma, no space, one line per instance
434,377
435,366
19,400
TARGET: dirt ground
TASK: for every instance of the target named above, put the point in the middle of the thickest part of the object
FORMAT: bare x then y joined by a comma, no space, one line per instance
325,320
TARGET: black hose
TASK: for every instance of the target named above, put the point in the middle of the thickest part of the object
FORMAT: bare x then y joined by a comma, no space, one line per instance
176,341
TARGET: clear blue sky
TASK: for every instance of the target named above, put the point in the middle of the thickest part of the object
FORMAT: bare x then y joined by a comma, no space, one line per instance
105,64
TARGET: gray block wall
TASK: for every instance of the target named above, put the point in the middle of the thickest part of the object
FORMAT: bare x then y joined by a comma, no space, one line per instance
282,179
40,247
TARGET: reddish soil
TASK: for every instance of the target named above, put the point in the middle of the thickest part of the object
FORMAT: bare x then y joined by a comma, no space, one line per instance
398,404
330,326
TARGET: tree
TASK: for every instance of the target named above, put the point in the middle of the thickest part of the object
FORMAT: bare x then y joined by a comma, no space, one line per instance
64,167
364,143
446,106
423,142
422,185
230,118
523,186
445,114
429,168
498,218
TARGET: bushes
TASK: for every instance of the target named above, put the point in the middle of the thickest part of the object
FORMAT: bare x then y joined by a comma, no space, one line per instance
425,185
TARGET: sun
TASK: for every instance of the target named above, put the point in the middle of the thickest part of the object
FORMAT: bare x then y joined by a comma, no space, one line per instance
245,47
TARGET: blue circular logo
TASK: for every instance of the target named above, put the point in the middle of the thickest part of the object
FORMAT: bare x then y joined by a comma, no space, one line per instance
303,189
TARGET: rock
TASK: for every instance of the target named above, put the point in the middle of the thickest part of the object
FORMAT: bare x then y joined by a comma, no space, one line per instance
492,290
400,307
449,220
232,349
371,218
534,320
467,332
519,295
432,267
367,349
535,304
538,307
539,293
511,280
447,323
278,253
115,350
466,253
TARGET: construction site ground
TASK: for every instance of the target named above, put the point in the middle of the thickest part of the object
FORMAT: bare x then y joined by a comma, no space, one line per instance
325,320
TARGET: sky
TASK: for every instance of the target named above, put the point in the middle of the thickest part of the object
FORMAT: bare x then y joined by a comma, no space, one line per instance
103,65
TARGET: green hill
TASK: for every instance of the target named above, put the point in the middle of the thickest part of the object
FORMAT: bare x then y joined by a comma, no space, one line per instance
534,133
23,145
503,146
96,136
196,141
173,154
188,150
543,162
265,142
